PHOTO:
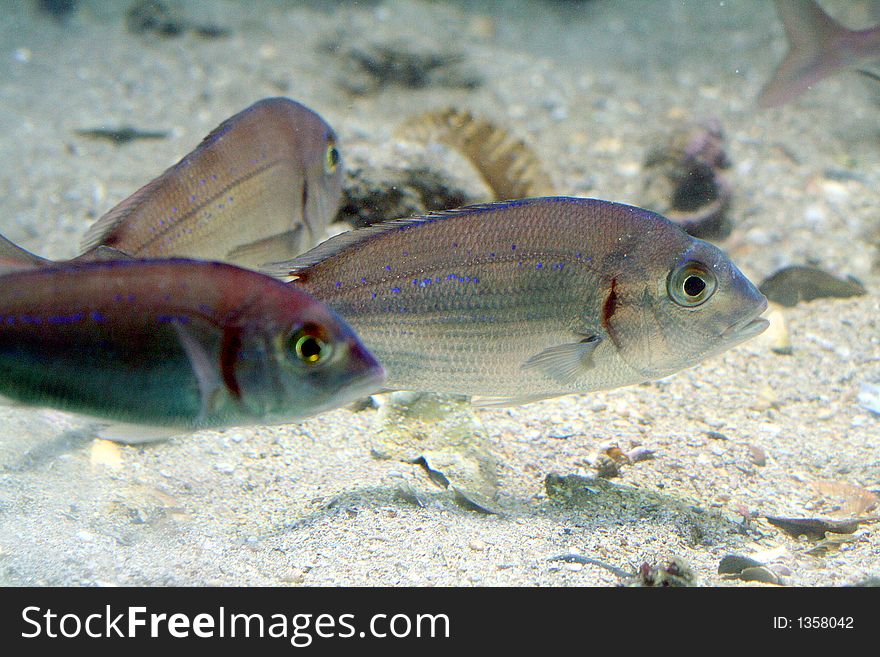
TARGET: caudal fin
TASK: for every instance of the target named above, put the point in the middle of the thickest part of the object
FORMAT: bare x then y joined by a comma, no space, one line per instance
814,51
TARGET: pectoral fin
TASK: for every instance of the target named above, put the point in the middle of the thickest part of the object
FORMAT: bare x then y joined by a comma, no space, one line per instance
565,363
271,249
206,373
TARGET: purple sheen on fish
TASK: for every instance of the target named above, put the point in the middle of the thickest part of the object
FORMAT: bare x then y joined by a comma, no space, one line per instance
818,47
176,344
263,186
521,300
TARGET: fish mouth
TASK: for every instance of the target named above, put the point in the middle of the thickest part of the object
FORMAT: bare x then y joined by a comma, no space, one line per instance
747,327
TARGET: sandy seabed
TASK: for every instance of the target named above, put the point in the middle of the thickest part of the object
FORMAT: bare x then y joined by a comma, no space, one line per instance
592,86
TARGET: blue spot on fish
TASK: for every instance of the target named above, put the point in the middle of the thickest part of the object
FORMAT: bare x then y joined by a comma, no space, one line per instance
338,284
387,267
97,316
66,319
540,265
395,290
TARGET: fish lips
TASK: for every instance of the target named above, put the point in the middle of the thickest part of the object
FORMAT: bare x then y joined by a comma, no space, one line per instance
748,327
370,376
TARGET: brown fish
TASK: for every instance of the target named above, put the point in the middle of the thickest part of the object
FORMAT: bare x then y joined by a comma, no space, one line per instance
528,299
261,187
818,47
174,345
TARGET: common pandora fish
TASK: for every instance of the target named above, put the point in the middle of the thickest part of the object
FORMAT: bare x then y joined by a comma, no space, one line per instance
818,46
522,300
173,346
263,186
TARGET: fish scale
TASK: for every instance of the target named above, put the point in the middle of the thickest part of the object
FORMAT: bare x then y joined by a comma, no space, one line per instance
526,299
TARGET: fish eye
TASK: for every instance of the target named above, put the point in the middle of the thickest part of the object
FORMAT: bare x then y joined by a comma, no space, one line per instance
331,158
691,284
308,346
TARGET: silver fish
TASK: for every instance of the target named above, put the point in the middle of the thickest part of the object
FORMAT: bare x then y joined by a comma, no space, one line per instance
522,300
264,185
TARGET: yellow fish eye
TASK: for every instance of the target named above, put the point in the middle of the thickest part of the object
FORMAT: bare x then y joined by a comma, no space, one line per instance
331,158
691,285
309,345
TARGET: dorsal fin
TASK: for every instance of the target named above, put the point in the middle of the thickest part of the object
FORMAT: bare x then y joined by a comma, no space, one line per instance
12,253
339,243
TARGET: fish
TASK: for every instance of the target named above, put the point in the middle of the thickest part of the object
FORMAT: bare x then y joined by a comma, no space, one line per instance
791,285
263,186
521,300
168,346
818,47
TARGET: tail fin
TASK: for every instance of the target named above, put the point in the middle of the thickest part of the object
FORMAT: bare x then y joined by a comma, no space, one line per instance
815,52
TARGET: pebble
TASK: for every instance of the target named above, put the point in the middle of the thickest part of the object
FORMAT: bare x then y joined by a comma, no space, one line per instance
225,468
734,564
477,546
757,455
869,397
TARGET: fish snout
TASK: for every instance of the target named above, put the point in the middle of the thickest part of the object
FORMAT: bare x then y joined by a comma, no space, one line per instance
750,325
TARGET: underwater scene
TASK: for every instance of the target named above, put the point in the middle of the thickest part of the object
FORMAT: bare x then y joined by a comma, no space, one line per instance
440,293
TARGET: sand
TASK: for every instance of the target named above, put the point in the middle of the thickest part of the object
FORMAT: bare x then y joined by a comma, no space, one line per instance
592,86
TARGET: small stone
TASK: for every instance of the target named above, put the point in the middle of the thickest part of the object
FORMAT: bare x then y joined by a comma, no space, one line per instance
757,455
640,453
606,467
105,453
734,564
225,468
477,546
760,574
869,397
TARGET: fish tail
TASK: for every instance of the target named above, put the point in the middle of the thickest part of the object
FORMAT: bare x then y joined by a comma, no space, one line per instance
814,51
